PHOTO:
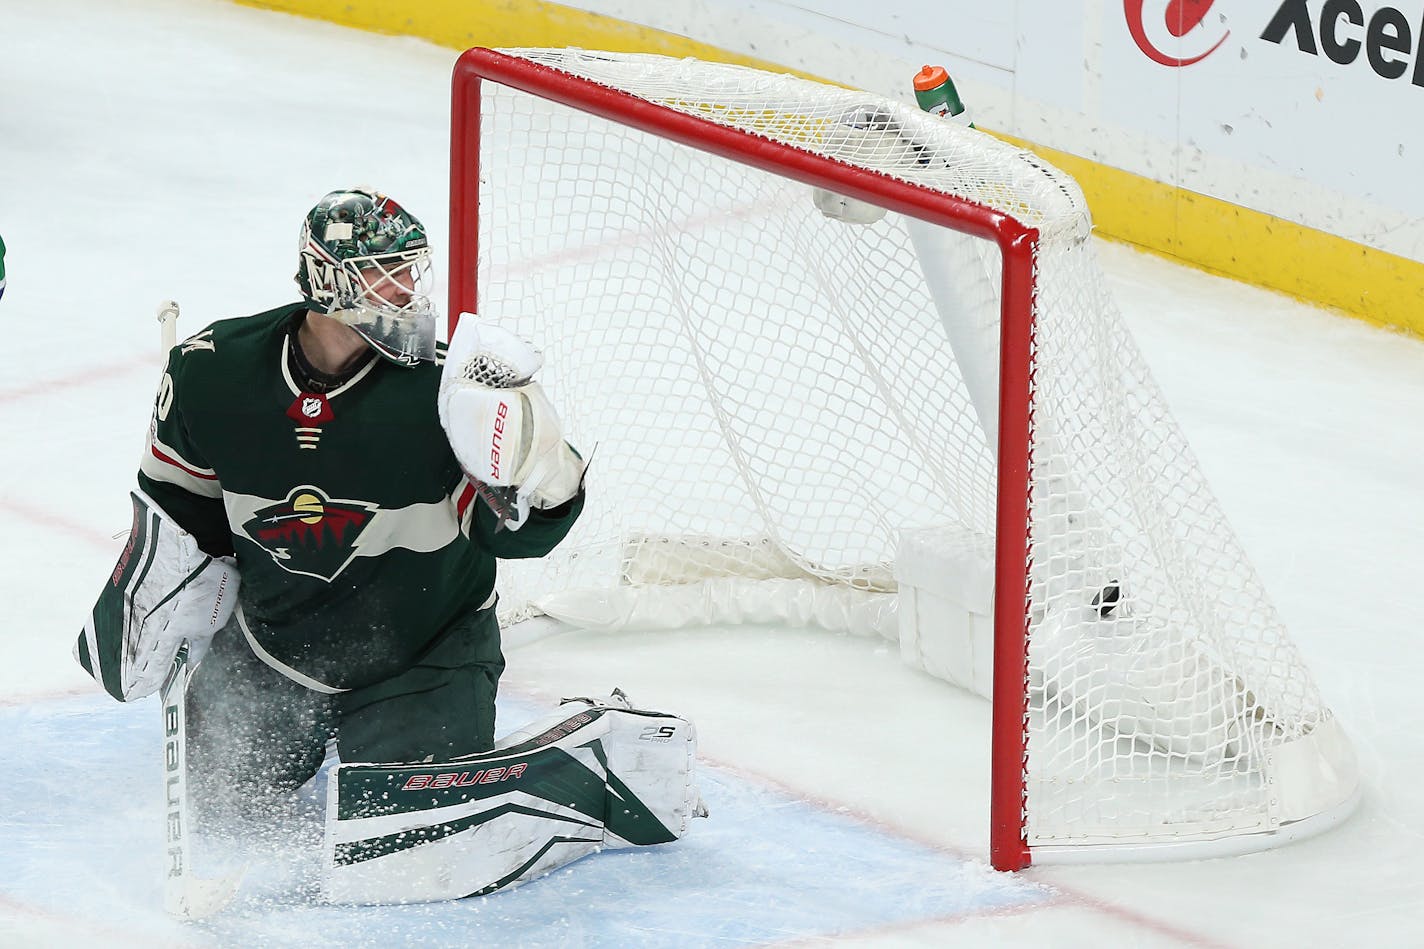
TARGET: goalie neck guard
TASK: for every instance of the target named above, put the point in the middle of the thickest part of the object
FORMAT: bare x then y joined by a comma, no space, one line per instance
365,261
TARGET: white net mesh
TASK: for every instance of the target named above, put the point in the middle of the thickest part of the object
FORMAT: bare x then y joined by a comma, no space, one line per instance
774,395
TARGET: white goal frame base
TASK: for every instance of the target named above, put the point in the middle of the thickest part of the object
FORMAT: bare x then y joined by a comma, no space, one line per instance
1176,851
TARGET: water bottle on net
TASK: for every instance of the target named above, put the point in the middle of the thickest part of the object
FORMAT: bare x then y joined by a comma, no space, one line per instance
935,93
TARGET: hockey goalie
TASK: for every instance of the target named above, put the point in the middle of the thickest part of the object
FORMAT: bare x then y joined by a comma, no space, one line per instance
360,482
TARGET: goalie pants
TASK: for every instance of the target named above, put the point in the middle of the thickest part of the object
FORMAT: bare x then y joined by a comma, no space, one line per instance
254,735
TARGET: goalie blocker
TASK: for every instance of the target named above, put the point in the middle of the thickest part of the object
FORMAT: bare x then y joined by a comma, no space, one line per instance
598,775
163,591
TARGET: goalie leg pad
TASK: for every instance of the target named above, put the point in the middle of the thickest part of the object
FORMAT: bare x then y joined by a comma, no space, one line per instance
598,777
163,591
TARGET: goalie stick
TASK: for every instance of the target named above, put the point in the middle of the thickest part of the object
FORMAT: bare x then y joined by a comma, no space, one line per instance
168,325
185,894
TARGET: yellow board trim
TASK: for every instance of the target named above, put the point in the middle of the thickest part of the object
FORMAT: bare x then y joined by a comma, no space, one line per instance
461,24
1250,246
1214,235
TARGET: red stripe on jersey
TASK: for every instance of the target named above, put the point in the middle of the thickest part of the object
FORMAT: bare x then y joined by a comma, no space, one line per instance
166,459
467,496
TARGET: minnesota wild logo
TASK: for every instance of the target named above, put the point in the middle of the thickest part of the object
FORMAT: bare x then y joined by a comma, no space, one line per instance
310,533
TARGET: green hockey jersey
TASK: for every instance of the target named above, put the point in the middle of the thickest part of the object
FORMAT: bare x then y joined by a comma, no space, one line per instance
360,541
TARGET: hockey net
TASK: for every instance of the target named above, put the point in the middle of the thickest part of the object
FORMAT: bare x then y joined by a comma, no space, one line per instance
779,400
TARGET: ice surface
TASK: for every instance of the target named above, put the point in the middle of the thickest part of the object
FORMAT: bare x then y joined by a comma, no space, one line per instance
86,780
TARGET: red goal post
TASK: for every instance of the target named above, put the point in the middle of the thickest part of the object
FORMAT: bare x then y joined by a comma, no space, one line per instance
1016,242
1019,594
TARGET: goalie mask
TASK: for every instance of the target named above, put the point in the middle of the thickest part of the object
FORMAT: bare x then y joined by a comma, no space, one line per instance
365,261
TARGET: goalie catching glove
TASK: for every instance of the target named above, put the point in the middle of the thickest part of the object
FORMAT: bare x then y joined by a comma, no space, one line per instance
163,591
503,429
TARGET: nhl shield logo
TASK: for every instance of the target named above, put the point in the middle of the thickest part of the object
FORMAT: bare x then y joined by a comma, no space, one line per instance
310,533
310,411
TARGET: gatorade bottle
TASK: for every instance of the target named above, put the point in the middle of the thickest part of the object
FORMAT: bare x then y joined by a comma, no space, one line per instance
935,92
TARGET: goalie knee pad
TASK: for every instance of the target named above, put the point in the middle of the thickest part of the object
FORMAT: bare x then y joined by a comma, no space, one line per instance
597,776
